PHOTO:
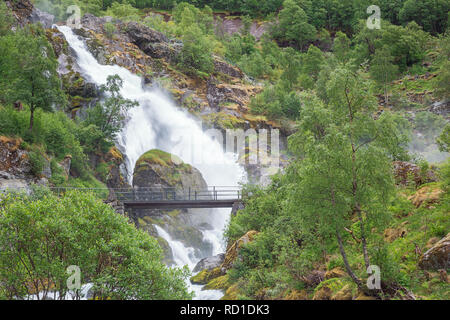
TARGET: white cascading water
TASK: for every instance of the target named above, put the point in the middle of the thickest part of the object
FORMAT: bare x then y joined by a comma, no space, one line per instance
158,124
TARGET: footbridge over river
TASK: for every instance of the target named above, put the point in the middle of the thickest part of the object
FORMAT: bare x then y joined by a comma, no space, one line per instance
161,197
175,198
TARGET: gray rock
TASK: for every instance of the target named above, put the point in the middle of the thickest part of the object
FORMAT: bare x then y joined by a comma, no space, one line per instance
438,256
209,263
239,205
46,19
441,108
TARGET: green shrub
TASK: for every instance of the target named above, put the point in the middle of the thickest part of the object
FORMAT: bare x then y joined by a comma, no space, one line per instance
37,161
33,233
109,29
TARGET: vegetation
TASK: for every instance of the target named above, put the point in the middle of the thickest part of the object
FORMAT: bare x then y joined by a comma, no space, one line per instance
120,261
356,98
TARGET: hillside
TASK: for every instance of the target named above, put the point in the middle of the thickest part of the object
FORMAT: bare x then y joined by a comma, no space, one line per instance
138,94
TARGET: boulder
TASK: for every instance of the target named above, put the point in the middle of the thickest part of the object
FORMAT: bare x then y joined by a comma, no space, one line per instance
313,278
219,283
426,196
157,168
405,171
226,68
390,234
142,35
22,10
220,93
209,263
152,42
239,205
438,256
233,251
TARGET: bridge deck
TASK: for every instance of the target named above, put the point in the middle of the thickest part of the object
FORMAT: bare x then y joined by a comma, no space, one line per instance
180,204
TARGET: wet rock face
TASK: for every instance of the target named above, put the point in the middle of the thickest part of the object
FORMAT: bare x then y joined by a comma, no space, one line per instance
141,35
152,42
438,256
209,263
220,93
46,19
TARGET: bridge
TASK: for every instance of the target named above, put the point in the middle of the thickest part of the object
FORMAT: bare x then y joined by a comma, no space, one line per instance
172,198
161,197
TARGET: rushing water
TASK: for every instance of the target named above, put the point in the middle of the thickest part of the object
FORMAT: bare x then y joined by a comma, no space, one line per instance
158,123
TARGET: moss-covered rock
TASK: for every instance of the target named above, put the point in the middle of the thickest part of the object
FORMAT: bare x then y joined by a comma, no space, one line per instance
200,278
157,168
328,288
205,276
296,295
219,283
233,250
426,196
438,256
336,272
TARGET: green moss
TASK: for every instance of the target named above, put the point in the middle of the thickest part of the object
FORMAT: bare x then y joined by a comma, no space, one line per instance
160,157
334,284
224,120
200,278
220,283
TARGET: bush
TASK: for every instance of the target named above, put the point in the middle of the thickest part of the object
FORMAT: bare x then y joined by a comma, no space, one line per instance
109,29
120,261
37,162
196,56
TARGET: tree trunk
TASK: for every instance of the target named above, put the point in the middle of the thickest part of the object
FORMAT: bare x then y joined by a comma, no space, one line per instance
363,236
347,265
31,118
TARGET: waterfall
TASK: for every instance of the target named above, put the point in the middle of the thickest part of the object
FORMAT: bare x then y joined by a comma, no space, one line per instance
158,123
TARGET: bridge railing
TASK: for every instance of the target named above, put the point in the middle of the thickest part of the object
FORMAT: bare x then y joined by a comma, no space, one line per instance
150,194
176,194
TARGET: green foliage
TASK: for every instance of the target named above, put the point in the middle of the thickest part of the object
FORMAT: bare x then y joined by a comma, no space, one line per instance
28,71
382,69
105,120
6,19
60,8
120,261
37,161
444,139
432,15
293,26
407,45
122,10
276,102
196,56
109,28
